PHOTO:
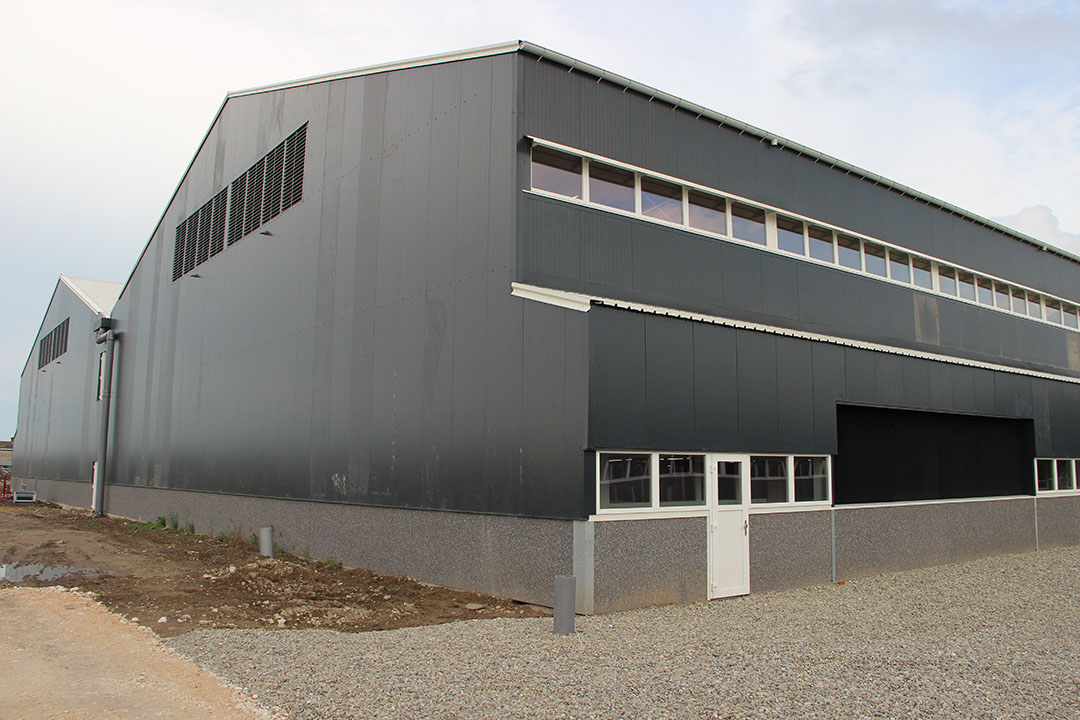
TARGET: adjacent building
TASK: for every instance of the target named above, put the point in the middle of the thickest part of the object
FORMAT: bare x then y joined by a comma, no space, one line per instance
494,316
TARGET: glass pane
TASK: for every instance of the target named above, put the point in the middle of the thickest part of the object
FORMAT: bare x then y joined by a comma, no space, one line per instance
728,483
1071,319
556,172
1045,474
1053,311
848,252
789,237
986,291
611,186
898,267
946,280
682,480
1034,306
768,479
821,244
1065,479
875,259
708,212
920,268
811,479
967,285
1001,296
625,480
1019,301
661,200
748,223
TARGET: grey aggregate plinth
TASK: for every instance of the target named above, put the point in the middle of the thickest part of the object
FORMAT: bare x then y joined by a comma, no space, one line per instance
790,550
650,562
1059,520
876,539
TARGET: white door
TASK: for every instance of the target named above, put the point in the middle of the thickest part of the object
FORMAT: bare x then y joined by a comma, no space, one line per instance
729,531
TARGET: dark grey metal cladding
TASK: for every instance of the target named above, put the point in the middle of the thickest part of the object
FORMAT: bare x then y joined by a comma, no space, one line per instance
582,249
366,349
603,118
58,421
726,389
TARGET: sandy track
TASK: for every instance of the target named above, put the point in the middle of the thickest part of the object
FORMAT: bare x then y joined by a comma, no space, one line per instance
66,656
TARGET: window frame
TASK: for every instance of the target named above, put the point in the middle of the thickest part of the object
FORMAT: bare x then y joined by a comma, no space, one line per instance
770,244
655,509
1056,491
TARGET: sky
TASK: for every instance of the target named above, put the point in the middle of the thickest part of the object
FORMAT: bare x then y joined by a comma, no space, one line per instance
975,102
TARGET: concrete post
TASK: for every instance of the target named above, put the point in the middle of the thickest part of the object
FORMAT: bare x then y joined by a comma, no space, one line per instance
565,589
266,542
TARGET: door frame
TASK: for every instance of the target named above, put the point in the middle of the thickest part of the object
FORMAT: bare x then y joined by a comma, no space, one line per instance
717,513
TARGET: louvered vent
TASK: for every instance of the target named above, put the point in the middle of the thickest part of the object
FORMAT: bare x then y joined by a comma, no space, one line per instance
189,245
265,190
253,211
271,206
295,147
217,229
202,250
236,210
54,344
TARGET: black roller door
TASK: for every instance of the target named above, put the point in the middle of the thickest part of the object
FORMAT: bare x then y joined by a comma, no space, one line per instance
890,455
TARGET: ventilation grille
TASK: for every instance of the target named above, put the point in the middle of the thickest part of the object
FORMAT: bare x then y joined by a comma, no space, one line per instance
53,345
217,226
265,190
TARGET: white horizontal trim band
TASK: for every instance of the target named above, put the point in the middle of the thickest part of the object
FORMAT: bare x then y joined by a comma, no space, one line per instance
581,302
764,510
947,501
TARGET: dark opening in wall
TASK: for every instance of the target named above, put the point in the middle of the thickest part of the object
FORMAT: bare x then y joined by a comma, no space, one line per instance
889,455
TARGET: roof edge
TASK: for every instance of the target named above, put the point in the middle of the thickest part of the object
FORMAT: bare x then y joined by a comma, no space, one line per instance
87,300
436,59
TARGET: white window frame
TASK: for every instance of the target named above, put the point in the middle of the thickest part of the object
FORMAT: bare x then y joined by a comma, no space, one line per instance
1054,463
771,236
656,510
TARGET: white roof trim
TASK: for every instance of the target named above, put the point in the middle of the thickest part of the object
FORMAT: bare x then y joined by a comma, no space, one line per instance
560,298
484,51
577,301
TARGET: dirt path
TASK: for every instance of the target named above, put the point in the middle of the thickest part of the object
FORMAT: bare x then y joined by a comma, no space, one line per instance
65,656
172,581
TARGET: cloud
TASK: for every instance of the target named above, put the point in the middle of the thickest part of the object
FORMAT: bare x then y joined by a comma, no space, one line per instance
1040,223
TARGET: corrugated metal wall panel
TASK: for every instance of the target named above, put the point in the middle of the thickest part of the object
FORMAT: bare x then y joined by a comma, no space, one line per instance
716,399
755,392
759,410
617,380
795,397
669,381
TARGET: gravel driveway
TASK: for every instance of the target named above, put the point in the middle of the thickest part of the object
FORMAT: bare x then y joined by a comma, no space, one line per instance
991,638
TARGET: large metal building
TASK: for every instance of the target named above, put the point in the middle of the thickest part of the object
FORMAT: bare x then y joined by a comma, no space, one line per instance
495,316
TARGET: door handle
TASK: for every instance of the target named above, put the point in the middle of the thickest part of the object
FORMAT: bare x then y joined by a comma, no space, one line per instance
746,527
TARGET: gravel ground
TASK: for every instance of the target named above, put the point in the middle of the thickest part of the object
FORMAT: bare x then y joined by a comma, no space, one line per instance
991,638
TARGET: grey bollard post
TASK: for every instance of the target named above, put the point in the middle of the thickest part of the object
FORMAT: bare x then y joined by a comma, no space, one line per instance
565,590
266,541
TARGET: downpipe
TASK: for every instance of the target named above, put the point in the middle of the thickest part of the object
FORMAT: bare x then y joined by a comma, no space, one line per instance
106,336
